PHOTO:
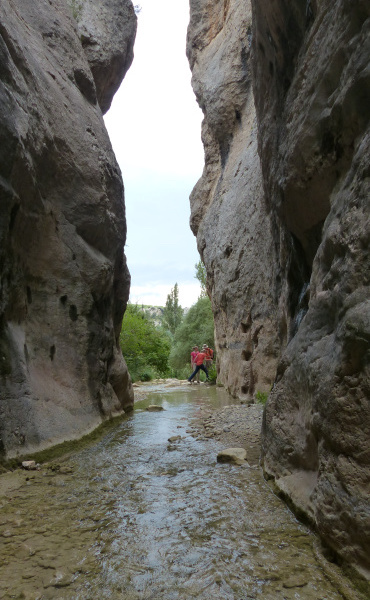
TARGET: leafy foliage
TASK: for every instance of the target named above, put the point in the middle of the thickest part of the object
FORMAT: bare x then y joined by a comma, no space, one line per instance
201,275
212,373
261,397
172,313
197,328
145,348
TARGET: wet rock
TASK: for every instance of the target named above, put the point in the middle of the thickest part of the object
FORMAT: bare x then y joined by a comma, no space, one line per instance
7,533
154,408
174,438
59,580
232,455
66,470
295,581
29,465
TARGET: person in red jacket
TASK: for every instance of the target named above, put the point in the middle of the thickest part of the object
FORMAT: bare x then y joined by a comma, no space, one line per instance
199,360
209,356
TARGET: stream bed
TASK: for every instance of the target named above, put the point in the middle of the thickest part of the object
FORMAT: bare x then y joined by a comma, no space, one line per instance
136,517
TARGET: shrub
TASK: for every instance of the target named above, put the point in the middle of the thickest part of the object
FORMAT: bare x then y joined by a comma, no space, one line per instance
145,348
212,373
261,397
197,328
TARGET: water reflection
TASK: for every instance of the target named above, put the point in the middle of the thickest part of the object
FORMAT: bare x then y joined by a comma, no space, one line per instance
137,517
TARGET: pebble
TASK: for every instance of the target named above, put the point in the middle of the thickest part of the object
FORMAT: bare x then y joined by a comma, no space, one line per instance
295,581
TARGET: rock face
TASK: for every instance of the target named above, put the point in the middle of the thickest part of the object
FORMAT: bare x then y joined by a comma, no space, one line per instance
229,214
285,239
64,280
107,30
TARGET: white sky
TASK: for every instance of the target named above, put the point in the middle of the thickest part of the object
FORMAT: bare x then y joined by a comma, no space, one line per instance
154,127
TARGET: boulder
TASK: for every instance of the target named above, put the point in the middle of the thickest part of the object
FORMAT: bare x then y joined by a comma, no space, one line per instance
29,465
237,456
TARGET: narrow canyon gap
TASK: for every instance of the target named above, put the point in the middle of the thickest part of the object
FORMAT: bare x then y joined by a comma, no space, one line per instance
281,215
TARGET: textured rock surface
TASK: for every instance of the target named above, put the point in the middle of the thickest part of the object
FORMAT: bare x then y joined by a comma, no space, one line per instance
297,236
108,45
229,214
314,145
233,455
64,280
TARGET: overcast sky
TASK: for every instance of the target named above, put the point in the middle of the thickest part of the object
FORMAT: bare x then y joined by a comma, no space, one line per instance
154,126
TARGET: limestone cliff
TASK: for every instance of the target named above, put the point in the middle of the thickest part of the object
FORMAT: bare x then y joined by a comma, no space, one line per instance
64,280
228,210
285,239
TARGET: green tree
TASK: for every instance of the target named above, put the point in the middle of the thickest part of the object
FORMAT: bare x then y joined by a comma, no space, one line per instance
172,312
197,328
145,348
201,275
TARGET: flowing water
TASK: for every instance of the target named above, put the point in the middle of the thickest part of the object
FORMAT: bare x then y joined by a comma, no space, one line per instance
135,517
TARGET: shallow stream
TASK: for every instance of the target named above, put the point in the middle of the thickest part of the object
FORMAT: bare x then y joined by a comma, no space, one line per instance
135,517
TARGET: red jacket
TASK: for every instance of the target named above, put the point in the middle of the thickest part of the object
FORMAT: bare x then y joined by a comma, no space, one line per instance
200,358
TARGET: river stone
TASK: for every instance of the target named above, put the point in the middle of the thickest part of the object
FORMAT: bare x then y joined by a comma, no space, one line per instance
295,581
232,455
29,465
171,448
154,408
174,438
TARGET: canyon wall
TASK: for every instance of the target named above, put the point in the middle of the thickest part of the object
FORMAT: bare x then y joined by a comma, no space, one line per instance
64,279
281,215
229,214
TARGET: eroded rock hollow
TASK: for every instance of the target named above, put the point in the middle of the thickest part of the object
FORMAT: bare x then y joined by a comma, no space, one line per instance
64,280
281,216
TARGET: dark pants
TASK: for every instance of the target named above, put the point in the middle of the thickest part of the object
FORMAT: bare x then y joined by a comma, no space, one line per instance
197,368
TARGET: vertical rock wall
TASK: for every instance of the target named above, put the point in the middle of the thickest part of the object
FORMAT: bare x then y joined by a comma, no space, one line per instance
229,214
284,234
312,90
64,280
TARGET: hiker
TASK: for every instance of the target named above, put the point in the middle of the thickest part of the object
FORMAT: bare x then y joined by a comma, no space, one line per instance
193,356
199,360
209,356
